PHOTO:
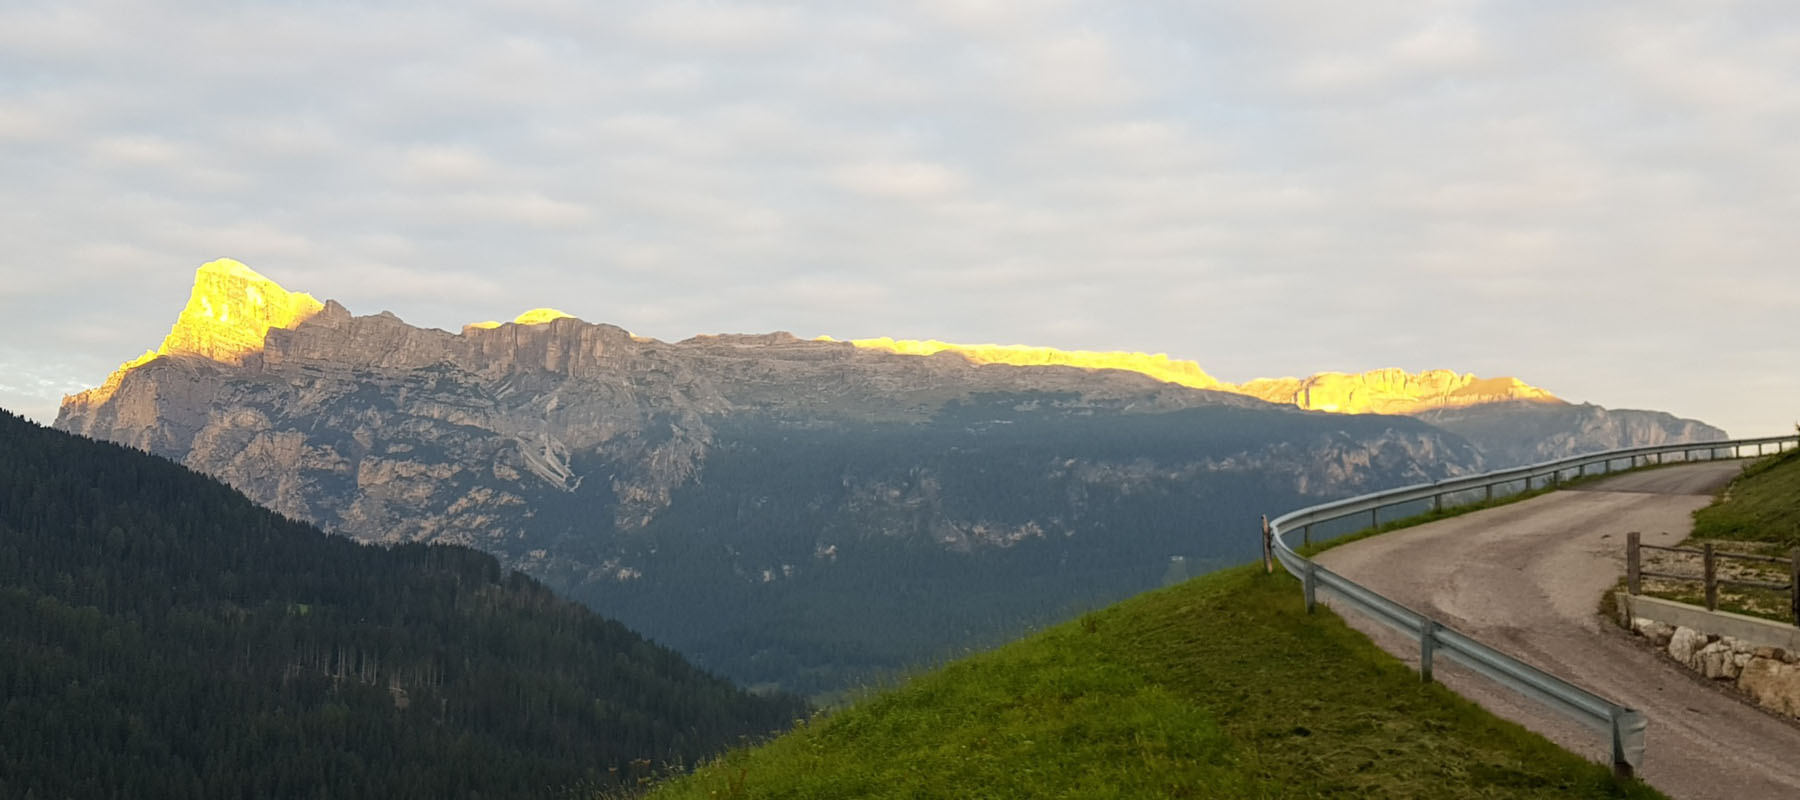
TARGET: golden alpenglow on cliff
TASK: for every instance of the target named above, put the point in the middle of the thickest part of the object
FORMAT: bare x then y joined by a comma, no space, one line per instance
1158,366
536,316
1381,391
1392,391
228,314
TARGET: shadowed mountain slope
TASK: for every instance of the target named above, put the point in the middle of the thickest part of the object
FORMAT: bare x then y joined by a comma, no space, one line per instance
162,636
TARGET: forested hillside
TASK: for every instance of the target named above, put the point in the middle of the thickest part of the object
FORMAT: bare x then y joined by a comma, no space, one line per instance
162,636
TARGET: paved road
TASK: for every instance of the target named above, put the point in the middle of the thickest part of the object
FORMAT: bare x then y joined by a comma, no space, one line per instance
1527,578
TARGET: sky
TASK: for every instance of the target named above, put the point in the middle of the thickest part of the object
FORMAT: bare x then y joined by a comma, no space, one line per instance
1600,198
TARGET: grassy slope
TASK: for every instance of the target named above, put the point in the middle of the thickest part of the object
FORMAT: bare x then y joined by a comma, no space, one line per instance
1761,506
1219,687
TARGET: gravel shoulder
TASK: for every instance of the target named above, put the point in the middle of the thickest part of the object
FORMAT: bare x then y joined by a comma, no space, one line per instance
1527,578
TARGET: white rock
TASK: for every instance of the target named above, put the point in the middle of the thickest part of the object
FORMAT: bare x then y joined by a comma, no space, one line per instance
1684,643
1657,632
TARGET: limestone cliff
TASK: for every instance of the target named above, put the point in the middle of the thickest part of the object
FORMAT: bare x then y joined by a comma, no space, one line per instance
1392,391
1158,366
228,314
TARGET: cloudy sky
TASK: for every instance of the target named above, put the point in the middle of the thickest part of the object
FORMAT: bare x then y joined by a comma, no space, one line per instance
1600,198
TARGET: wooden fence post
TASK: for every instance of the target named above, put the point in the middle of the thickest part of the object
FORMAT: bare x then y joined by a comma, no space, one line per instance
1268,547
1711,564
1633,575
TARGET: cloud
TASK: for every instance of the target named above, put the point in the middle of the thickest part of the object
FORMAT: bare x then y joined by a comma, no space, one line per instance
445,164
714,25
913,180
530,209
137,151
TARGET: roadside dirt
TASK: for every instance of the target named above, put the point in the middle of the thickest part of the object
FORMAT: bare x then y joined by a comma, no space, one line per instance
1527,579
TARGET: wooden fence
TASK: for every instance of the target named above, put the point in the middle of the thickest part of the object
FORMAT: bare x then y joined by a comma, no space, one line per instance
1709,577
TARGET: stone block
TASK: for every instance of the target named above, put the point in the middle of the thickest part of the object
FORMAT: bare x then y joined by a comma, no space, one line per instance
1774,684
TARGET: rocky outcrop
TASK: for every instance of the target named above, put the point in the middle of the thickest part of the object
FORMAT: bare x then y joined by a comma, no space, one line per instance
1392,391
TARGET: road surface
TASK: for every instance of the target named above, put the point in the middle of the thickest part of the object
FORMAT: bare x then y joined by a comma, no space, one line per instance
1527,578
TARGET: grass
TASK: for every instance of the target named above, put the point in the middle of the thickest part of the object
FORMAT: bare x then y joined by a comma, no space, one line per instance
1762,505
1222,686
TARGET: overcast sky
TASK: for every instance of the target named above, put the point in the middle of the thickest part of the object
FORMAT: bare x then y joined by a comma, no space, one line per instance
1599,198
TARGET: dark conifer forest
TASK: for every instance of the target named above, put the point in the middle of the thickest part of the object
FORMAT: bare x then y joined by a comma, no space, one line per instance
162,636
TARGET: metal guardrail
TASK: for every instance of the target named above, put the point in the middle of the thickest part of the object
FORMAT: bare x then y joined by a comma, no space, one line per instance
1623,725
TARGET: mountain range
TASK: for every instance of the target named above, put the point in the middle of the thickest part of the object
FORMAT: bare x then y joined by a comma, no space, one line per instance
802,513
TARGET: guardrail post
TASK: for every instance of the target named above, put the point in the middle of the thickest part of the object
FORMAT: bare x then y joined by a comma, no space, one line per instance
1621,761
1306,535
1711,565
1309,583
1633,573
1794,583
1427,645
1437,502
1268,547
1490,489
1375,517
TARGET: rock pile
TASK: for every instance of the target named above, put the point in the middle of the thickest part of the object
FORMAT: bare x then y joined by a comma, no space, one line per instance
1768,675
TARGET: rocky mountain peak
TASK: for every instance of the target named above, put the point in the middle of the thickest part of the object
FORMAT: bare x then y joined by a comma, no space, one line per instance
229,313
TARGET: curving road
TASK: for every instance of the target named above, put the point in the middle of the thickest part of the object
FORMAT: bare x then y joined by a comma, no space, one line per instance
1526,578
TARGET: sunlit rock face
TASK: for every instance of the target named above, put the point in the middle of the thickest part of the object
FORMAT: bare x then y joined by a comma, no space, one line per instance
536,316
1158,366
231,311
228,314
1392,391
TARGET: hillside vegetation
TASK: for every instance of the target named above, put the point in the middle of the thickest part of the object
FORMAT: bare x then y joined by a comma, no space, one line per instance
1219,687
1763,505
162,636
